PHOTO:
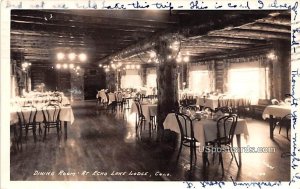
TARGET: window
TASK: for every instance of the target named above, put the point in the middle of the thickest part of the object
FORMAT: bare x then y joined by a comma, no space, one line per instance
151,80
131,80
199,81
249,82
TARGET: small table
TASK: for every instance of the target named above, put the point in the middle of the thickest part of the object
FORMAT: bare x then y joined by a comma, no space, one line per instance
206,130
273,111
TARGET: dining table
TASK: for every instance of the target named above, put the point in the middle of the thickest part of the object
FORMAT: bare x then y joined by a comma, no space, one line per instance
208,102
66,114
275,111
205,130
148,109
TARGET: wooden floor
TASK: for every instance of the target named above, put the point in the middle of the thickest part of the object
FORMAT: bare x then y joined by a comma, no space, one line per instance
105,145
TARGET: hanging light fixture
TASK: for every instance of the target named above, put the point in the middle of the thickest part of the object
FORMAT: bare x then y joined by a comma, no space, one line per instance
60,56
82,57
72,56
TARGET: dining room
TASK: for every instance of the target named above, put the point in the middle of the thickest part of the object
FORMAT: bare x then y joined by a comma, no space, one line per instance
150,95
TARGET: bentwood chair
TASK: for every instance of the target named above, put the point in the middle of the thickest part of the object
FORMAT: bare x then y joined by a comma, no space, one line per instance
51,115
225,132
119,100
285,122
187,138
27,121
140,119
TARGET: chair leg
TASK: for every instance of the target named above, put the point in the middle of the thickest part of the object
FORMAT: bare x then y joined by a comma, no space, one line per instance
26,132
180,148
191,154
195,150
40,129
34,132
234,156
279,129
221,161
45,131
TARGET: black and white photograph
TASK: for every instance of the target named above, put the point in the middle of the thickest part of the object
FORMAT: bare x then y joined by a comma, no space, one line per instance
150,95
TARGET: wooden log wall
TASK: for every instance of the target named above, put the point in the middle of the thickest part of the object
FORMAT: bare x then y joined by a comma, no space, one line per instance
77,86
63,78
94,80
111,81
45,75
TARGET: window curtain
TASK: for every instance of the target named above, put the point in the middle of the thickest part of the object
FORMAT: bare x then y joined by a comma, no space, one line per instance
131,79
151,78
249,80
199,79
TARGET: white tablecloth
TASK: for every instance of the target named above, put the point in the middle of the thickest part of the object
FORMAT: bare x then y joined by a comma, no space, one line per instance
111,98
208,102
204,130
276,111
102,95
147,109
66,114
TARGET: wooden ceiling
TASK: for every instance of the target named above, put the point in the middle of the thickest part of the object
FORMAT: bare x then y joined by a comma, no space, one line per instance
38,35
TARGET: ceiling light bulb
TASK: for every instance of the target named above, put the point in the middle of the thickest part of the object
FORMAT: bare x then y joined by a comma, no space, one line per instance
60,56
178,59
78,67
132,66
152,54
271,56
100,65
138,66
72,56
82,57
58,66
71,66
127,66
65,66
186,59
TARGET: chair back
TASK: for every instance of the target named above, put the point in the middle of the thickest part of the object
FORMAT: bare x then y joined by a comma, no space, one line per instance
221,101
119,97
185,125
51,113
286,120
27,115
139,108
226,128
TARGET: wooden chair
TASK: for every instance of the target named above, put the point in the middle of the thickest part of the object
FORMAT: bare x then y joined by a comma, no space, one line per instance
285,122
140,118
119,101
27,121
225,132
51,114
187,138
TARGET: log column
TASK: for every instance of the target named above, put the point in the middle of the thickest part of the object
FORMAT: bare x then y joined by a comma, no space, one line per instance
167,84
281,70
